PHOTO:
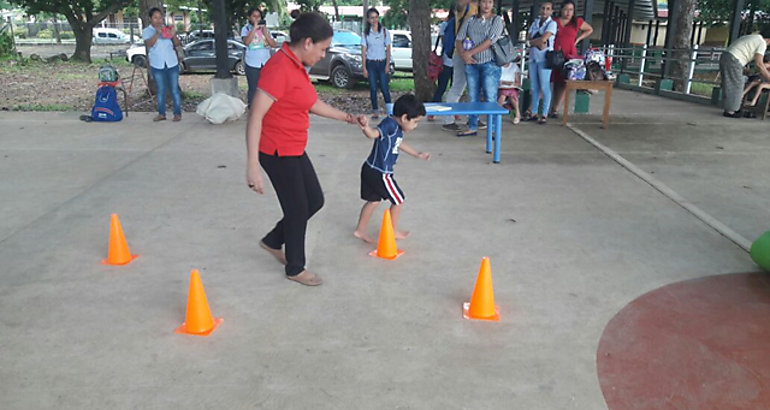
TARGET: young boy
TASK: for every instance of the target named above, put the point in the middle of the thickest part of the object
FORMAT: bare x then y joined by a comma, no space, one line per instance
377,180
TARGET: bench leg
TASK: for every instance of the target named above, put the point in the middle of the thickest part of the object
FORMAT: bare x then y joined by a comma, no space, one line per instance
499,136
606,111
566,106
490,128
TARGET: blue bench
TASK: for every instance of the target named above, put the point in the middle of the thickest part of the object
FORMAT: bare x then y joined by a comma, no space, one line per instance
494,123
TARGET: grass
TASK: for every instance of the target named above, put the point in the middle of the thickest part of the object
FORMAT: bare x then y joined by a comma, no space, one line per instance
192,94
400,82
41,107
702,88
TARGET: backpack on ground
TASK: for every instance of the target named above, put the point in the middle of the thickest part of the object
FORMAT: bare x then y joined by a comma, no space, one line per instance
106,107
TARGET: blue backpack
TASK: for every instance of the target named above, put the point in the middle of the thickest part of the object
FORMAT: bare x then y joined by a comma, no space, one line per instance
106,106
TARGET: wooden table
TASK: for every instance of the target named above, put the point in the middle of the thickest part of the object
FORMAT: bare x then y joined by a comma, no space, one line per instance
590,85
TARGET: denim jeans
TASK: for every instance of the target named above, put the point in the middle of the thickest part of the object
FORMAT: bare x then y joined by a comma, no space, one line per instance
252,78
168,79
539,82
481,77
376,71
443,81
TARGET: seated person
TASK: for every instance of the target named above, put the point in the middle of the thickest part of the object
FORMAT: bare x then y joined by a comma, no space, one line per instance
756,84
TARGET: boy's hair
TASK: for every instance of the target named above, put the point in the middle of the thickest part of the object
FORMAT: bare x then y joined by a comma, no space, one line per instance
408,104
766,58
310,25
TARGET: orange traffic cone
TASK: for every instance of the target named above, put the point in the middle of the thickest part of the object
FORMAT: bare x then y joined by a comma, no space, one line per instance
118,253
386,247
482,305
198,320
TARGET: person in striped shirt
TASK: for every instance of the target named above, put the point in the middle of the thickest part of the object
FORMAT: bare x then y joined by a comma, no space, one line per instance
377,182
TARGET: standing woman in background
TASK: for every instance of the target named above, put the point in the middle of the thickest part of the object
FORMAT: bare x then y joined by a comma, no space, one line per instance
571,30
257,40
375,51
541,35
474,44
159,41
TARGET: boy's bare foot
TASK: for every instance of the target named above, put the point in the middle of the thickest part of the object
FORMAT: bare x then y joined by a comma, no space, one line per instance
279,255
401,234
363,236
306,278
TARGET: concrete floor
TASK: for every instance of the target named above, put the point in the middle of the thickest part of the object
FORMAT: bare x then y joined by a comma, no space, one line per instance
572,237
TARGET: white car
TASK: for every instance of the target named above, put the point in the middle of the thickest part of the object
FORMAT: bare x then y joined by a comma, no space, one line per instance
401,48
109,36
137,55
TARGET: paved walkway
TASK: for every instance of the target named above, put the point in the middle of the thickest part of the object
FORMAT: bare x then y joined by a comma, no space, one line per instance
573,237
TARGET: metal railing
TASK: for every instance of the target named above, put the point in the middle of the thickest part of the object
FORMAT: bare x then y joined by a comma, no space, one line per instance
655,63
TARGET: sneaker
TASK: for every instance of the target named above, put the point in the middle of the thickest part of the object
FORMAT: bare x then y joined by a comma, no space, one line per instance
481,124
451,127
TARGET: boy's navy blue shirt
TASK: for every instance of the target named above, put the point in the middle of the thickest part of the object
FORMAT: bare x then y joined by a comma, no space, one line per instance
385,150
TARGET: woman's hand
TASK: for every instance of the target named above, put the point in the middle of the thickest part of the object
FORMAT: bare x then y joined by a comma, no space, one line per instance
467,57
254,178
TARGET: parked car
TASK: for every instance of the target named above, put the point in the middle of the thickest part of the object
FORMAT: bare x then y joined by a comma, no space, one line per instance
401,48
109,36
199,56
342,63
137,55
196,35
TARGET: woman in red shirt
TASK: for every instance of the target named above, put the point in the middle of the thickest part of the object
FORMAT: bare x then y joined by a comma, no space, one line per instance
276,136
571,31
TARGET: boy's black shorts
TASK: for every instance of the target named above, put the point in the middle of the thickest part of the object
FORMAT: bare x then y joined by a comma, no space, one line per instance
376,186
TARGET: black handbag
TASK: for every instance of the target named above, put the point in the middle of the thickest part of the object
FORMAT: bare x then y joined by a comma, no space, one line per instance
554,59
503,50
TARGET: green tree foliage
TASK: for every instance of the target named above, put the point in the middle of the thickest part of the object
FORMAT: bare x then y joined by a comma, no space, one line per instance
82,15
718,12
309,5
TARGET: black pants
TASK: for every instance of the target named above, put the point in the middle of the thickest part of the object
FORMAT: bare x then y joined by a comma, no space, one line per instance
252,78
300,195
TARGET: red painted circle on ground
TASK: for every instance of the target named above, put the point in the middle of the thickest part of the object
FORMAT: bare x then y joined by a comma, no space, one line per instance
698,344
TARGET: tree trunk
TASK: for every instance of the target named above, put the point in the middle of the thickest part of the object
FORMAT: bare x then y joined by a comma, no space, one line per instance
336,11
681,43
419,21
83,35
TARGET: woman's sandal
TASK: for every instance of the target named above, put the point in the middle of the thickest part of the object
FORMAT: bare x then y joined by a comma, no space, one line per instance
306,278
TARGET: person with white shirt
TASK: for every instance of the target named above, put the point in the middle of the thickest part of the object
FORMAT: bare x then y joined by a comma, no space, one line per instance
541,37
159,41
743,51
510,82
257,40
375,52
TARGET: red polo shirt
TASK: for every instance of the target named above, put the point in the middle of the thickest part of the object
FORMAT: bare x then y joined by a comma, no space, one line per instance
284,128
